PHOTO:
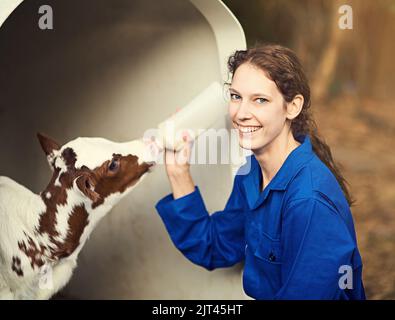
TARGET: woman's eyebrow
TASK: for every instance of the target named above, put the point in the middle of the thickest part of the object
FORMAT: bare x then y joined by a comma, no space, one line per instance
234,90
260,95
252,95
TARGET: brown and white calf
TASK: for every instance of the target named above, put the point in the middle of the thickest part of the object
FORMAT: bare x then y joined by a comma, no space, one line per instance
41,235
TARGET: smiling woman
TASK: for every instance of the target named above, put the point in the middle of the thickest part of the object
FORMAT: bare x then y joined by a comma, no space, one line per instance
261,117
289,218
277,71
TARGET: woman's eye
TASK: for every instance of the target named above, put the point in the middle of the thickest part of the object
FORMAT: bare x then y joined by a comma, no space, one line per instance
113,165
261,100
234,96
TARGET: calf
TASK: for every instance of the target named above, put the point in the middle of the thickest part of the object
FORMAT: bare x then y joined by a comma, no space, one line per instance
41,235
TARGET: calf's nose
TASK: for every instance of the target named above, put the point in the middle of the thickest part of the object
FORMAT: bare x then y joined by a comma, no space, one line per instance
151,151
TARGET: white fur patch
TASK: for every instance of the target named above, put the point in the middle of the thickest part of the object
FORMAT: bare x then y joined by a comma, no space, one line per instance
93,152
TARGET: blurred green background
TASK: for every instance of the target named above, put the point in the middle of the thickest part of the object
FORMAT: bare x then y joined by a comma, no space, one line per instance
352,77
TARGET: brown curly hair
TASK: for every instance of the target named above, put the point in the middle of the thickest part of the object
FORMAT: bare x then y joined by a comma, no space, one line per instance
282,66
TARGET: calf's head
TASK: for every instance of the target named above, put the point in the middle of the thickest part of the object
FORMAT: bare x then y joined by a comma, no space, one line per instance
90,175
95,171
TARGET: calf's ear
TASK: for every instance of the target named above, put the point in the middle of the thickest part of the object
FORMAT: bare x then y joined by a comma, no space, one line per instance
86,184
47,144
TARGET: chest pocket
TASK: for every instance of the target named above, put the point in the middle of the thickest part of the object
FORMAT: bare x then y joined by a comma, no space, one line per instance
268,261
269,250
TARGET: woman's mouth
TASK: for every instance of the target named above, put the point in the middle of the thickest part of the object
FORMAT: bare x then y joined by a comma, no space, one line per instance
247,130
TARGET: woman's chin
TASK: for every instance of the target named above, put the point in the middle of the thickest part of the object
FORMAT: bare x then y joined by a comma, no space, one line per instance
246,144
250,144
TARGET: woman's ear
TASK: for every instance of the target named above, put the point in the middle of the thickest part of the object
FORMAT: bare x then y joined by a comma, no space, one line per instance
295,107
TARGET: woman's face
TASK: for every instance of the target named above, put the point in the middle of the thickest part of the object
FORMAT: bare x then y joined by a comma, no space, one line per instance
256,107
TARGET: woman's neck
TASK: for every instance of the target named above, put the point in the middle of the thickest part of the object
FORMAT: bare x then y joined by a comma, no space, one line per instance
272,156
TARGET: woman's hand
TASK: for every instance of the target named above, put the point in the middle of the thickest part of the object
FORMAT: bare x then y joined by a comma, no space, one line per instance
178,169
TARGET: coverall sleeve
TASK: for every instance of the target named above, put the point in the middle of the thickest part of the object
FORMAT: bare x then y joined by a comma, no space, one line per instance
316,243
211,241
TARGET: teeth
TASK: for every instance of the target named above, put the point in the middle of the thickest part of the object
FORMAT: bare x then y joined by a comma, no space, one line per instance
247,129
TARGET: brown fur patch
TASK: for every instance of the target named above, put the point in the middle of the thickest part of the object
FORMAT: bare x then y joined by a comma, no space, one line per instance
32,251
69,157
128,175
48,221
16,266
58,194
77,222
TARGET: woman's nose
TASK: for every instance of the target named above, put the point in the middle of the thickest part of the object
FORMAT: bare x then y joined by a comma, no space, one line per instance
243,112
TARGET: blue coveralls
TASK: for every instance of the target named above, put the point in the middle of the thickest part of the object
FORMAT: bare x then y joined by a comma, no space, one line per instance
297,236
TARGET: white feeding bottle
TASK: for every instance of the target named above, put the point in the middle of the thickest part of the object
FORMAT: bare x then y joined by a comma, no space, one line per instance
197,116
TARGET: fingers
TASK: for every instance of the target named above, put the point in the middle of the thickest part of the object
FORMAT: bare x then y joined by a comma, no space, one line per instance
152,150
182,156
186,150
169,156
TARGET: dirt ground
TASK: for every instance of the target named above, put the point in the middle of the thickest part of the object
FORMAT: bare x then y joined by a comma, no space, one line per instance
361,135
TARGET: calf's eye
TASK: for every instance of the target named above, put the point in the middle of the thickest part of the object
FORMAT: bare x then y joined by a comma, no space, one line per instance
114,164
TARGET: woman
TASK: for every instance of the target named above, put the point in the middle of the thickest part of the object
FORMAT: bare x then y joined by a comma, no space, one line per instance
289,218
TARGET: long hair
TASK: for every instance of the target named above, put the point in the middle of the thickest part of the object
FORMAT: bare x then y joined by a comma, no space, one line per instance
282,66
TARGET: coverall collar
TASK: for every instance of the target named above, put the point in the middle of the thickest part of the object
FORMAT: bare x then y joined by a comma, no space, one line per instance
291,166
